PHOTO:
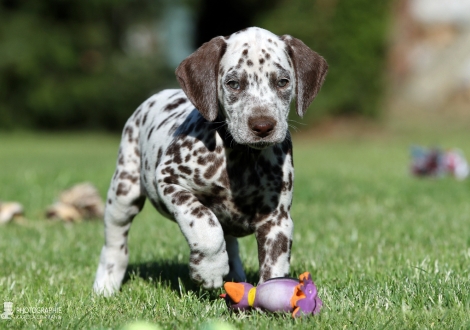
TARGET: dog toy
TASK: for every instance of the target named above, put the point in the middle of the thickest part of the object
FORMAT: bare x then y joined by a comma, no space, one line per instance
81,201
10,211
435,162
275,295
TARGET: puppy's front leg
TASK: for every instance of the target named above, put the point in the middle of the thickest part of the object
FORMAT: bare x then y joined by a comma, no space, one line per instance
208,262
274,237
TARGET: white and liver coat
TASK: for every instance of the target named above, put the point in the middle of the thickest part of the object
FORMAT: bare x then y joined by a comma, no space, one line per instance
216,157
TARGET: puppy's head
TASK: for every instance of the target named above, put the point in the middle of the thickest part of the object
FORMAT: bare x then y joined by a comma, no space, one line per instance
250,78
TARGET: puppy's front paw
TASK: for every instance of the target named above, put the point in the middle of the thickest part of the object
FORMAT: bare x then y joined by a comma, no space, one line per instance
106,282
208,271
111,270
105,286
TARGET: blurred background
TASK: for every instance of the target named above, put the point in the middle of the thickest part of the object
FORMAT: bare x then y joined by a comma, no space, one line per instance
82,64
73,71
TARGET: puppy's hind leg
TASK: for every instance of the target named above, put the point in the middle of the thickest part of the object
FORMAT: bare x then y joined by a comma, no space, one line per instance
236,273
124,202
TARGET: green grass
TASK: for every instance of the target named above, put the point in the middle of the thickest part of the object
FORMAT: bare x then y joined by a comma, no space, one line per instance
386,250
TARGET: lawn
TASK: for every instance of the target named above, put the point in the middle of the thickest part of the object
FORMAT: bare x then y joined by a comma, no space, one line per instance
385,250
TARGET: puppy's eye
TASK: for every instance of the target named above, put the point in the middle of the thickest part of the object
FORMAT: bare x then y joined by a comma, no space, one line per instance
234,84
282,82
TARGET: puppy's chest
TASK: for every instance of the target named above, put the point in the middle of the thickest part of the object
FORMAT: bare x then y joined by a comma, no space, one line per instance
240,187
247,188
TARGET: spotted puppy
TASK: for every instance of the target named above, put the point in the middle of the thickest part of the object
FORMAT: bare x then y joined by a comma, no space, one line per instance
216,157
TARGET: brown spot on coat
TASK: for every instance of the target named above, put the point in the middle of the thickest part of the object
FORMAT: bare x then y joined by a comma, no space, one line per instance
171,179
196,257
203,160
169,190
283,213
122,189
185,169
159,156
150,132
187,144
166,120
181,197
145,118
174,151
266,274
261,237
211,222
127,176
176,103
200,211
279,246
212,169
224,179
197,178
129,131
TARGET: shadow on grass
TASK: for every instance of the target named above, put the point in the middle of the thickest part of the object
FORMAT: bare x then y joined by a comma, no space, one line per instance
170,273
166,272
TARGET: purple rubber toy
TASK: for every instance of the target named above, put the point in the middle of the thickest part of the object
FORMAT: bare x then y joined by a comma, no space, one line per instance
275,295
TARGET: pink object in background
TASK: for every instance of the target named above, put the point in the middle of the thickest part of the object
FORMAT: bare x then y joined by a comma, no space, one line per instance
456,164
435,162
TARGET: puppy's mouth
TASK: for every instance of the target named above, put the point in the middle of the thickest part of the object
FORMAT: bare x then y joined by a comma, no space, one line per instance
260,145
243,138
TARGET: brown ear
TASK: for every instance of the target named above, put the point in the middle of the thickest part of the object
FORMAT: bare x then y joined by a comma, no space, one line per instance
310,71
197,75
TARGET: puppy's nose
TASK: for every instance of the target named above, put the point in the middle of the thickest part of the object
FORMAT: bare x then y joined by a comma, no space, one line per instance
262,127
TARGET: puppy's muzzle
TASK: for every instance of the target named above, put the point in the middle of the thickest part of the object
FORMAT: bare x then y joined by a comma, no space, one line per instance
262,126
